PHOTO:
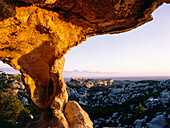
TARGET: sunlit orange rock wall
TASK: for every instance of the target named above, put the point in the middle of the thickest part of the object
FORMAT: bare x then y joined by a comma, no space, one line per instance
36,34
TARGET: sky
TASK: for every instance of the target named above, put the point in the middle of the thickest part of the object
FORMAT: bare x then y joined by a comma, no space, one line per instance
141,51
144,50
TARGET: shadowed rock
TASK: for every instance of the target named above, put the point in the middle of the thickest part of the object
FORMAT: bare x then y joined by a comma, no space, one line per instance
36,34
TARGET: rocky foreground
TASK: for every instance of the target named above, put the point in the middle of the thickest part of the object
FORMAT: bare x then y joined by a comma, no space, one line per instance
123,103
16,110
109,103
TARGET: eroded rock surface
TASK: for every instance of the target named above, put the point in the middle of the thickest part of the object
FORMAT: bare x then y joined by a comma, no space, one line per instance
36,34
76,116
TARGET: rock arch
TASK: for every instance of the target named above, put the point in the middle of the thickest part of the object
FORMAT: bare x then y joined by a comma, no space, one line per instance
35,35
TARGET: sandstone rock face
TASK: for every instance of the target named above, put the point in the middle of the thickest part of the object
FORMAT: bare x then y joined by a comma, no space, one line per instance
36,34
76,116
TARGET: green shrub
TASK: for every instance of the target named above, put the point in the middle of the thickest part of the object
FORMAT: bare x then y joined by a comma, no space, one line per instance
11,108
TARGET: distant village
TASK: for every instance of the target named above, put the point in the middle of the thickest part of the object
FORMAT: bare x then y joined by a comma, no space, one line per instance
90,82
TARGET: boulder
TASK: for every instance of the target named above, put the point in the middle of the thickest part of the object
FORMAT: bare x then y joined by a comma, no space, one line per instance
76,116
158,122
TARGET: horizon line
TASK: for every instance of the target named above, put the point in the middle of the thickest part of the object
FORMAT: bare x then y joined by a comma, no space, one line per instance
111,74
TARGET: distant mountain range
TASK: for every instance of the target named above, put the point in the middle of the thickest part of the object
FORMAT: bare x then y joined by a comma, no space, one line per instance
88,74
10,70
115,75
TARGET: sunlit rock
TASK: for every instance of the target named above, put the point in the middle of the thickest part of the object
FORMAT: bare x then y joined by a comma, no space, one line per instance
36,34
76,116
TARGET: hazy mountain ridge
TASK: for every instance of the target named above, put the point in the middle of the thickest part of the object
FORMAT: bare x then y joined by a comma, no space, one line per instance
115,75
97,75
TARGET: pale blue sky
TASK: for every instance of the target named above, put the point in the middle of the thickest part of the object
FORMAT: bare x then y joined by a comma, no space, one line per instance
144,50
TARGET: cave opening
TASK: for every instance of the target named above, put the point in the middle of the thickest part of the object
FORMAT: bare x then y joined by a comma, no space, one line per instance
140,52
35,40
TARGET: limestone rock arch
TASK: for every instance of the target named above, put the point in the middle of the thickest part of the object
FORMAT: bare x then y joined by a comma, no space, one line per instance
36,34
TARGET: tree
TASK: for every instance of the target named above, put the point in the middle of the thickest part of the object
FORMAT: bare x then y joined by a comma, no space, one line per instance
11,108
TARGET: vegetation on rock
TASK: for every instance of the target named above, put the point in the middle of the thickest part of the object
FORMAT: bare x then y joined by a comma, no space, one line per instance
11,109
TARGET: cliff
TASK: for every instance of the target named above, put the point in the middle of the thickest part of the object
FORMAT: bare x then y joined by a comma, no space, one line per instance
36,34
